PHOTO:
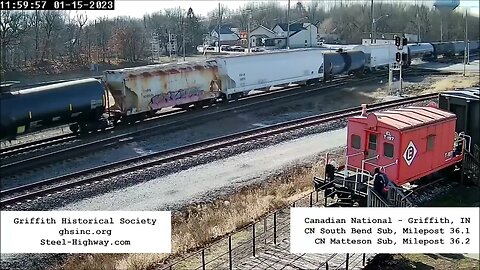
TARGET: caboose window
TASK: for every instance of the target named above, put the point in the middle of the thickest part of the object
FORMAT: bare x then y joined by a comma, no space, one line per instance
372,141
430,142
388,150
355,141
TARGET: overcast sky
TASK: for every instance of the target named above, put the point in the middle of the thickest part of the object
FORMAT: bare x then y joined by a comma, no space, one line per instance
137,9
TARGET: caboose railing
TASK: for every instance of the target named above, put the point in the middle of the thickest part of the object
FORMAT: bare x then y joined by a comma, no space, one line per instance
471,167
365,161
394,198
375,200
467,141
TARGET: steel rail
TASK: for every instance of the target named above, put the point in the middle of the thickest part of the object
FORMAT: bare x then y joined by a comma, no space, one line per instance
8,168
48,186
37,144
10,150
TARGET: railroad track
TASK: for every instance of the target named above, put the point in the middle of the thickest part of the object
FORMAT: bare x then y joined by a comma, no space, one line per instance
22,163
14,159
34,145
51,186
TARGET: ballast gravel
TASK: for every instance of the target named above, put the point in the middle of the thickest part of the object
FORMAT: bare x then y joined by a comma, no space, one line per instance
211,164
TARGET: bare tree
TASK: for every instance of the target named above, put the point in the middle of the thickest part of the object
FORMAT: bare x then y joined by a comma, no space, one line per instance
12,25
81,20
51,21
27,37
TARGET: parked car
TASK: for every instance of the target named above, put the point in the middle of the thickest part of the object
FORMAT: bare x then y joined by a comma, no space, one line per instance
237,49
256,49
210,48
224,48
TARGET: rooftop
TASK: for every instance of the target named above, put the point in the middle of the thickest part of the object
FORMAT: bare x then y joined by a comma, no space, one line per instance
409,117
294,27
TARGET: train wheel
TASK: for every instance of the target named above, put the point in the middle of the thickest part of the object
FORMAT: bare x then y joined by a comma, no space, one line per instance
150,113
311,82
74,128
223,97
84,128
184,106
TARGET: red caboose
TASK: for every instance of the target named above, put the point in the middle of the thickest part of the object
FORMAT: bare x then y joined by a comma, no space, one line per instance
407,143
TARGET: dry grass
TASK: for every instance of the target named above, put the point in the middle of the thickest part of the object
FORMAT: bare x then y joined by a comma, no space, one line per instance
453,81
199,225
433,84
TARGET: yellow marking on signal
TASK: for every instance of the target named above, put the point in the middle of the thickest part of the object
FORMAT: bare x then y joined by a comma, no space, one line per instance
70,107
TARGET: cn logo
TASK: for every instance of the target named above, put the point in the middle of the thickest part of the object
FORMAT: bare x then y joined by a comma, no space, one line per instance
410,153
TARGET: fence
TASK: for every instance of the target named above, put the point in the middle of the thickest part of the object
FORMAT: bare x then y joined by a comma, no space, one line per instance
265,244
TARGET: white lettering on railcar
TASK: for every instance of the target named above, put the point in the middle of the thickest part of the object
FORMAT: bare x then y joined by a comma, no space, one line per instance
388,136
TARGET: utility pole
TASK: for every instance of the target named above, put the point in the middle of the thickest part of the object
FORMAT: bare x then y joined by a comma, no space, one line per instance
288,25
183,33
466,60
441,27
219,23
248,28
418,24
373,22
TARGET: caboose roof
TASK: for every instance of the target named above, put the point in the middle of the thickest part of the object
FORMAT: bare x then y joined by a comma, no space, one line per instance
410,117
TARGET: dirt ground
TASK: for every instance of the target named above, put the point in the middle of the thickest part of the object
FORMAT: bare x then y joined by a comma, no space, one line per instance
449,83
419,85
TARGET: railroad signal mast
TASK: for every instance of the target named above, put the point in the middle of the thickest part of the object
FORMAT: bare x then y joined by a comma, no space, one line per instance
400,59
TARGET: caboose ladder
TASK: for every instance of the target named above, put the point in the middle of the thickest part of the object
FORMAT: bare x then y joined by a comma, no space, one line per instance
471,165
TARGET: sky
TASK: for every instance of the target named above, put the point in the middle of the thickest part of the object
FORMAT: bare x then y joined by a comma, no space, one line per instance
134,8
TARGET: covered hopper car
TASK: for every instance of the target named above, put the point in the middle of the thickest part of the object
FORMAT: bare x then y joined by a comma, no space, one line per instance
378,56
142,91
244,73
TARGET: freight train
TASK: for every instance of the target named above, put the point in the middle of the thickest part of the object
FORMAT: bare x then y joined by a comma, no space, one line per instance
131,94
425,51
410,147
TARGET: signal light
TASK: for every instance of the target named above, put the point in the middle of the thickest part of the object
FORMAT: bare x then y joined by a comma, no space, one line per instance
398,57
405,41
405,57
397,41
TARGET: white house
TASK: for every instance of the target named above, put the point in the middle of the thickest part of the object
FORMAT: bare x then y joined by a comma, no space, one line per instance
227,36
259,35
302,35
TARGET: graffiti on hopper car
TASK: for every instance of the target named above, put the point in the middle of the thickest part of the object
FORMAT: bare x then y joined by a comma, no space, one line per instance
176,97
